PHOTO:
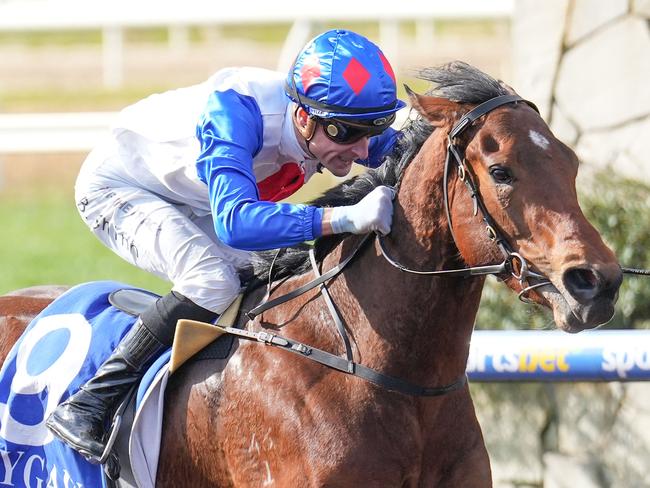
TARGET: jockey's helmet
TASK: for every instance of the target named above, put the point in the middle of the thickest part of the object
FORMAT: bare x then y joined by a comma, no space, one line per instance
341,74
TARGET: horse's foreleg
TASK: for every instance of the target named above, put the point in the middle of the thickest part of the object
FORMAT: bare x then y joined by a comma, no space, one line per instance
455,454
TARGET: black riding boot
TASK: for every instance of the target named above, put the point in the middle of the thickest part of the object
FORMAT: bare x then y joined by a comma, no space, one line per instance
80,421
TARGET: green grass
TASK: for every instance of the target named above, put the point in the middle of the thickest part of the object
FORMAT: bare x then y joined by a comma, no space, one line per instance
45,242
98,99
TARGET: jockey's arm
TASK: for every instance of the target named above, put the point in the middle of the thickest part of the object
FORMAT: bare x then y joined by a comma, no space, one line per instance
230,133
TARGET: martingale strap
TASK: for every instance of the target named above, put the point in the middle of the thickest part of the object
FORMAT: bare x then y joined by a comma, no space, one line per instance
334,313
347,364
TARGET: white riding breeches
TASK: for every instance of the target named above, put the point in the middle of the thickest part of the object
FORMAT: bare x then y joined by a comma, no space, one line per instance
165,238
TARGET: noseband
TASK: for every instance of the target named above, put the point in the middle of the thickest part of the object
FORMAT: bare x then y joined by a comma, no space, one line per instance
513,263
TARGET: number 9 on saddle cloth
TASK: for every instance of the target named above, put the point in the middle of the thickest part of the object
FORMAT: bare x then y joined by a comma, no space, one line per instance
58,352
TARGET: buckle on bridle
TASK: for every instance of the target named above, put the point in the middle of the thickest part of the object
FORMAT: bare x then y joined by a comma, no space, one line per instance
271,339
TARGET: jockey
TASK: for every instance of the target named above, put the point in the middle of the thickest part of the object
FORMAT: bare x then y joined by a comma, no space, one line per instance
190,181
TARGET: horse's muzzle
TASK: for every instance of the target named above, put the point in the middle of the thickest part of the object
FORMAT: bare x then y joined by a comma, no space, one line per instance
585,297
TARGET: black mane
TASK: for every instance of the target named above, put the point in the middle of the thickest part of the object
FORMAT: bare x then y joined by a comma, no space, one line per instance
458,82
462,83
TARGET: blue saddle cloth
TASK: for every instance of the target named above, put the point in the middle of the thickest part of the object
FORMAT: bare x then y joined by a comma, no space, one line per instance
59,351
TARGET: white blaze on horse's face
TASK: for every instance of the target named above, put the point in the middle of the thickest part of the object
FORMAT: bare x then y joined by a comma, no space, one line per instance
538,139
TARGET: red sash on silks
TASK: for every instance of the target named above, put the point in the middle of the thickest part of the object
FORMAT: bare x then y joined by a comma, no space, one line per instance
281,184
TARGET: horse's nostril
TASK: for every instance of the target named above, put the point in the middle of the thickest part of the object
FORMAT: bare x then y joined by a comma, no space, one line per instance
582,283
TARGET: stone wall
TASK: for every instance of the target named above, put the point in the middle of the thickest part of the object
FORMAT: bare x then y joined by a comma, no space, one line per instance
570,435
586,64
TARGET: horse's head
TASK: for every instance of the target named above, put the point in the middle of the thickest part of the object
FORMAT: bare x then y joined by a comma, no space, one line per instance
526,180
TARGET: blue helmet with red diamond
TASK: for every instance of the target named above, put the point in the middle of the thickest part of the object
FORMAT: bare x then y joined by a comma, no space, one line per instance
341,74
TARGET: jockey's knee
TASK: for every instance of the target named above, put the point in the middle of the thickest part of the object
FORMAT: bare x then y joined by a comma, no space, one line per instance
161,318
196,295
213,287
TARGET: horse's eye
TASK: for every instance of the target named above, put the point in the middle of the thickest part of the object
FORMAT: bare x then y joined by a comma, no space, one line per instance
501,175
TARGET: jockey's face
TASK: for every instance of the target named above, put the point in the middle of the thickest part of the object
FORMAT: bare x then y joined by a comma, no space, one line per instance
335,157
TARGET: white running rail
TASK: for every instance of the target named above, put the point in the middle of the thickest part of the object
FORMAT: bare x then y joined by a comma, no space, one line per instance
52,132
66,132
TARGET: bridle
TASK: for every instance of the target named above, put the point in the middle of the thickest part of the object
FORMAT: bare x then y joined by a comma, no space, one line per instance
513,263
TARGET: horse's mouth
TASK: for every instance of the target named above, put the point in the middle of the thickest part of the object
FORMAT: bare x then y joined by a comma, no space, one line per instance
572,316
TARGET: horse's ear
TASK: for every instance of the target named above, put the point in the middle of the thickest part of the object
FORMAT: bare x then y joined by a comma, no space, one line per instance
438,111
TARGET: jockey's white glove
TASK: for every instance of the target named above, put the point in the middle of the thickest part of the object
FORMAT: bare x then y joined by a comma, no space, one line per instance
373,213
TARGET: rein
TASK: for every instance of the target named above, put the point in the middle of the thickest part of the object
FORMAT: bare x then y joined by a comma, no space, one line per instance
513,263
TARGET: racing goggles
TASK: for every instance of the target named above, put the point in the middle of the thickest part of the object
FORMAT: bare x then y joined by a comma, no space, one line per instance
349,132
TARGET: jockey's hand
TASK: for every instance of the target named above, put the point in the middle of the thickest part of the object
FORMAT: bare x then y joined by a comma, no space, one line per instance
373,213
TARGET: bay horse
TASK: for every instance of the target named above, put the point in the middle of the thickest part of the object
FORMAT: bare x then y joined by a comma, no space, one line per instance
476,185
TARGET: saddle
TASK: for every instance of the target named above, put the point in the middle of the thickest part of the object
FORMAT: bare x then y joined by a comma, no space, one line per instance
193,341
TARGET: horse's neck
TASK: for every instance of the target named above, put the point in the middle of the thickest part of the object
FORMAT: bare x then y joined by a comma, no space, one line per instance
417,326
